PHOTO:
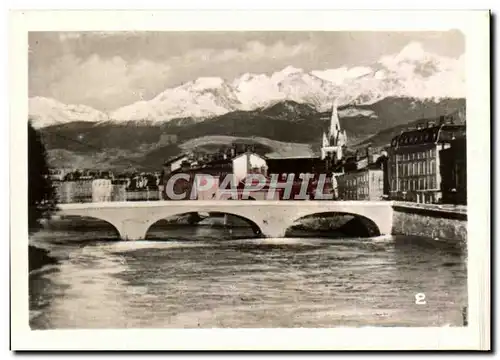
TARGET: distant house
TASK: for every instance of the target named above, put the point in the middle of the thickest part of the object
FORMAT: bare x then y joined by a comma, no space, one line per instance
175,163
248,163
58,174
167,139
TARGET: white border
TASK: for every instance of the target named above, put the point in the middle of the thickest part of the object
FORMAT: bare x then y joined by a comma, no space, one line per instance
475,26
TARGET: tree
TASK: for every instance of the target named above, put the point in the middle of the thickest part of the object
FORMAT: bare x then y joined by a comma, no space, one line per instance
41,193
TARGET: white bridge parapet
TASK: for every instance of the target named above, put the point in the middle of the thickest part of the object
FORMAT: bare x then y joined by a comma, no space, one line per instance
273,218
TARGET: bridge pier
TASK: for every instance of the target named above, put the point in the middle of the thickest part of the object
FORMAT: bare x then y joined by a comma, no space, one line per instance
273,229
274,233
131,229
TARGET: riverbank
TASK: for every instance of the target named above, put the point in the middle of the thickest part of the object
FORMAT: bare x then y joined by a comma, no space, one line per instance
38,258
444,223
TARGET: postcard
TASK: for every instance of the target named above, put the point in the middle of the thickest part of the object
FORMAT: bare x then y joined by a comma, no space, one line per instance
251,180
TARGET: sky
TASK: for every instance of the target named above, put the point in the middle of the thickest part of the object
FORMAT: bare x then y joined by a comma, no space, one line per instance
108,70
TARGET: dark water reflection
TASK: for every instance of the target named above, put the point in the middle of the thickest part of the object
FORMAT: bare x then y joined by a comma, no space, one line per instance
200,277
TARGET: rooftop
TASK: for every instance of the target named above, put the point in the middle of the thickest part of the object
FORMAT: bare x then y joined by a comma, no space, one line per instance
429,135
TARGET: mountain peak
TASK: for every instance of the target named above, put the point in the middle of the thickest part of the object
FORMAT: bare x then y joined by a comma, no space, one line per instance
47,111
291,70
205,83
414,51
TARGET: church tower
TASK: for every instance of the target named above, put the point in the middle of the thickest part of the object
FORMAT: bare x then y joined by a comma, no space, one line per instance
335,139
334,125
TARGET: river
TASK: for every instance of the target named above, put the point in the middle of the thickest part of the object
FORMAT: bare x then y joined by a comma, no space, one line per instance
203,277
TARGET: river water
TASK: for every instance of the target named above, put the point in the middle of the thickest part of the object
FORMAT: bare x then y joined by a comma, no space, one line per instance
202,277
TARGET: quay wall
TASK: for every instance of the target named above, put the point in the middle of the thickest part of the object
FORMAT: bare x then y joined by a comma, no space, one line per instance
446,223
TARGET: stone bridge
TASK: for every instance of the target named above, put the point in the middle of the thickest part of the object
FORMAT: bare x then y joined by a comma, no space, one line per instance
271,218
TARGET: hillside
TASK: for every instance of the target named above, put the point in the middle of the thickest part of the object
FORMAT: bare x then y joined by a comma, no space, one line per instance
384,137
283,129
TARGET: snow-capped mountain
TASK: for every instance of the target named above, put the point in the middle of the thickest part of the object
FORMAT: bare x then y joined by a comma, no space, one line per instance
202,98
44,111
412,72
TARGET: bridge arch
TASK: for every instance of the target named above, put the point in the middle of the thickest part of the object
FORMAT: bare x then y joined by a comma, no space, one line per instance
348,223
253,224
84,222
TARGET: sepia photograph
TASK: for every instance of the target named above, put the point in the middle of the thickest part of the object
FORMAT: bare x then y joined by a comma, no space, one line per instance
249,179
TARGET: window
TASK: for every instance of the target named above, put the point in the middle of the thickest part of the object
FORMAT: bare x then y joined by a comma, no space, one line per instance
414,166
432,166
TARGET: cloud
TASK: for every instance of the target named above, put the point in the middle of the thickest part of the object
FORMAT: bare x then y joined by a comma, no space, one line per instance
64,36
109,82
251,51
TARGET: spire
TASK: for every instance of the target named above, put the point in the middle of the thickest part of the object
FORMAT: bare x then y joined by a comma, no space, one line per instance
334,122
325,142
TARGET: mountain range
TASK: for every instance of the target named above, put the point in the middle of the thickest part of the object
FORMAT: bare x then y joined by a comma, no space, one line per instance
412,73
284,129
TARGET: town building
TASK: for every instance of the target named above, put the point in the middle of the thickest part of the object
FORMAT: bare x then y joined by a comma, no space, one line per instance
414,170
78,191
364,178
359,160
453,167
102,190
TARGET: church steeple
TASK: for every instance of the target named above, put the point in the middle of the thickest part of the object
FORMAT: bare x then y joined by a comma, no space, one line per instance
336,138
334,124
